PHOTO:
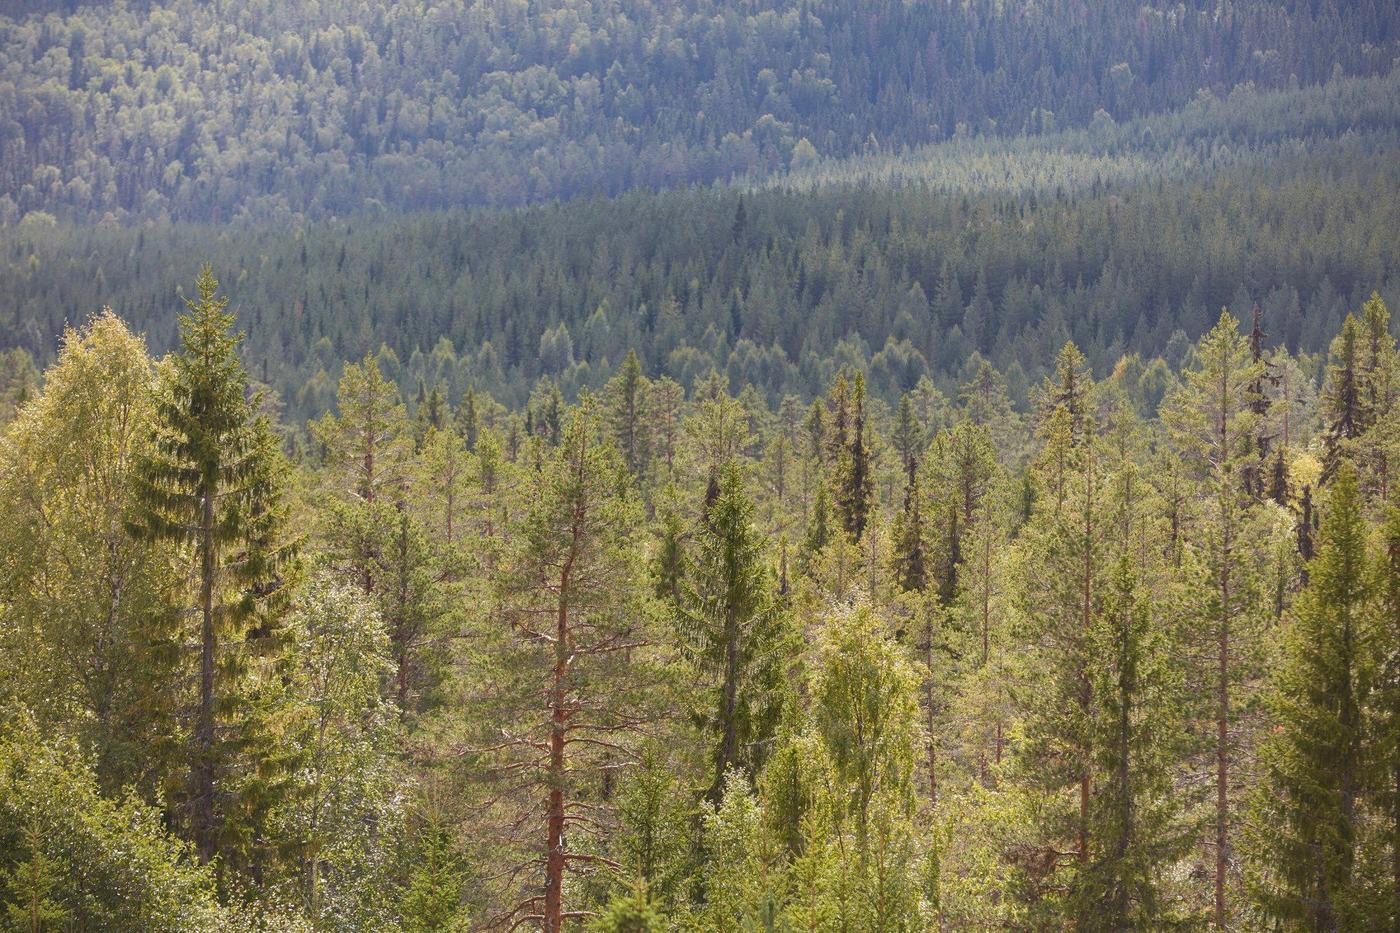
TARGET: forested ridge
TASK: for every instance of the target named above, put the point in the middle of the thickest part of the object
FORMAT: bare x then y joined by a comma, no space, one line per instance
1133,244
1120,658
210,111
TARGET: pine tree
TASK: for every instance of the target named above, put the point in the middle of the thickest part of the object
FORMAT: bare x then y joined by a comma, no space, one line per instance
730,628
980,610
367,439
211,480
441,482
667,398
1304,815
565,699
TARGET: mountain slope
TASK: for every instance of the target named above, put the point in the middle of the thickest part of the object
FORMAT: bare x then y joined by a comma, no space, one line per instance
259,108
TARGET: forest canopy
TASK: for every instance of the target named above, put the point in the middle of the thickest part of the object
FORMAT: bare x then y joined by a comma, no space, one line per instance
627,466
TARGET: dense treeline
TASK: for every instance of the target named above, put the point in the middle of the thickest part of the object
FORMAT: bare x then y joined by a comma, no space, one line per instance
779,287
669,660
206,112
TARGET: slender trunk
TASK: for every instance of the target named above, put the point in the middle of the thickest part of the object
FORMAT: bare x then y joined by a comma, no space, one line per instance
202,768
929,711
451,501
1222,736
1128,686
403,635
1085,688
729,703
554,859
986,607
1222,722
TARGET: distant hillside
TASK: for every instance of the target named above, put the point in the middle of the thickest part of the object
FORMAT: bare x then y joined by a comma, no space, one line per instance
267,109
1117,237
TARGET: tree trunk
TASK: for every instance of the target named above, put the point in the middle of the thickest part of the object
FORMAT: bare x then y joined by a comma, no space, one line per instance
1085,687
1222,737
554,858
729,702
202,767
1395,846
929,713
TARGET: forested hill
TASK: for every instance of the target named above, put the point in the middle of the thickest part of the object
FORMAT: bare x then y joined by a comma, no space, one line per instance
210,111
1126,238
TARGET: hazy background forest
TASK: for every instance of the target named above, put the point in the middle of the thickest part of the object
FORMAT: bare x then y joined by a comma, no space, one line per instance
838,465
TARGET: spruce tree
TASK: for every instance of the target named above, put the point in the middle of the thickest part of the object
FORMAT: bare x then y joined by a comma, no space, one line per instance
853,473
210,480
373,536
1068,388
730,628
1304,820
1343,414
961,464
626,393
468,420
1137,734
910,548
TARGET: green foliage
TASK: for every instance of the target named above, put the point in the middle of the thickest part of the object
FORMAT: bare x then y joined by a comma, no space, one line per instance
653,842
70,856
342,811
1136,823
630,913
865,711
473,712
89,631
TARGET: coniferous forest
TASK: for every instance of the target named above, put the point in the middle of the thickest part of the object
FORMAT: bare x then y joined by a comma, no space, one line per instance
833,466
